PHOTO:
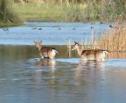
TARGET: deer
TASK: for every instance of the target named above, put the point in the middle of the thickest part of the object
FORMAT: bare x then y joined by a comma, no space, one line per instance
90,54
45,52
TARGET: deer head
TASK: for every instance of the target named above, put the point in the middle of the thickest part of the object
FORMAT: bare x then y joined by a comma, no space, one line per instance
38,44
75,46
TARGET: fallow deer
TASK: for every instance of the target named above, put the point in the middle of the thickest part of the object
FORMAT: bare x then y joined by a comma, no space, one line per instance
45,52
91,54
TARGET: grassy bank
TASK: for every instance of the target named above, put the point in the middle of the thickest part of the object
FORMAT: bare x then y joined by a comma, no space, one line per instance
74,12
44,12
49,12
71,11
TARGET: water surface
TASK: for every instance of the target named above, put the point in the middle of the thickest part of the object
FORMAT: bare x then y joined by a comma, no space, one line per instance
51,33
24,78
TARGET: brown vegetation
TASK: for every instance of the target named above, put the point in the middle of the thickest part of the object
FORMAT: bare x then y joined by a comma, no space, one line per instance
115,41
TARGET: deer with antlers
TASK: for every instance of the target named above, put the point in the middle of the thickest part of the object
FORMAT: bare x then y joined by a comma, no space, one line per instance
91,54
45,52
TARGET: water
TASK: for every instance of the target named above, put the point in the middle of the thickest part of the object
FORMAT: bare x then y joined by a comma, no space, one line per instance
50,33
24,78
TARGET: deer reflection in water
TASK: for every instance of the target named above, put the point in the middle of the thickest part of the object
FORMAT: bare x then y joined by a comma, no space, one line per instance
49,63
88,71
44,67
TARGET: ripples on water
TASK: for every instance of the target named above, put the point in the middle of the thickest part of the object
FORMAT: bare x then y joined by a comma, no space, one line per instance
24,78
50,33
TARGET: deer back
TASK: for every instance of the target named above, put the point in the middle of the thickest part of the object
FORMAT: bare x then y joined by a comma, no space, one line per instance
91,52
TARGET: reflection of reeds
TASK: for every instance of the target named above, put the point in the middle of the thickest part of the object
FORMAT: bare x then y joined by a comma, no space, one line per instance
69,48
115,40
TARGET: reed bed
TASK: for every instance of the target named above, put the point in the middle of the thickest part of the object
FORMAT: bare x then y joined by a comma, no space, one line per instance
114,40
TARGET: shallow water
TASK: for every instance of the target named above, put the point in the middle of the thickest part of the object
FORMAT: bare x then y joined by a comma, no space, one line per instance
26,79
51,33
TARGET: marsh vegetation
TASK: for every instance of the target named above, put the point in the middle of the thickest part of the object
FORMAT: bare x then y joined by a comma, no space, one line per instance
62,10
7,14
114,40
72,10
24,77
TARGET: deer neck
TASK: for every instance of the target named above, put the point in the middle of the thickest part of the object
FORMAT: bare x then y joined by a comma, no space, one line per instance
39,48
79,51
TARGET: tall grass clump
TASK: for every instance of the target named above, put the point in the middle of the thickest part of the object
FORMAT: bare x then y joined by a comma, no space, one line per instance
105,10
7,15
111,9
74,12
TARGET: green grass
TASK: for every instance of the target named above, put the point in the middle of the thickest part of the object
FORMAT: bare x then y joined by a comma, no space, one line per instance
50,12
7,15
74,13
7,24
43,12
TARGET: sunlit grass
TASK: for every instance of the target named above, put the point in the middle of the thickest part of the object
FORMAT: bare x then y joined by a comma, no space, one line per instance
40,12
75,12
50,12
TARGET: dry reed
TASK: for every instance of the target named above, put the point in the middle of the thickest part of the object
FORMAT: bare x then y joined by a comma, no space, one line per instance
114,40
